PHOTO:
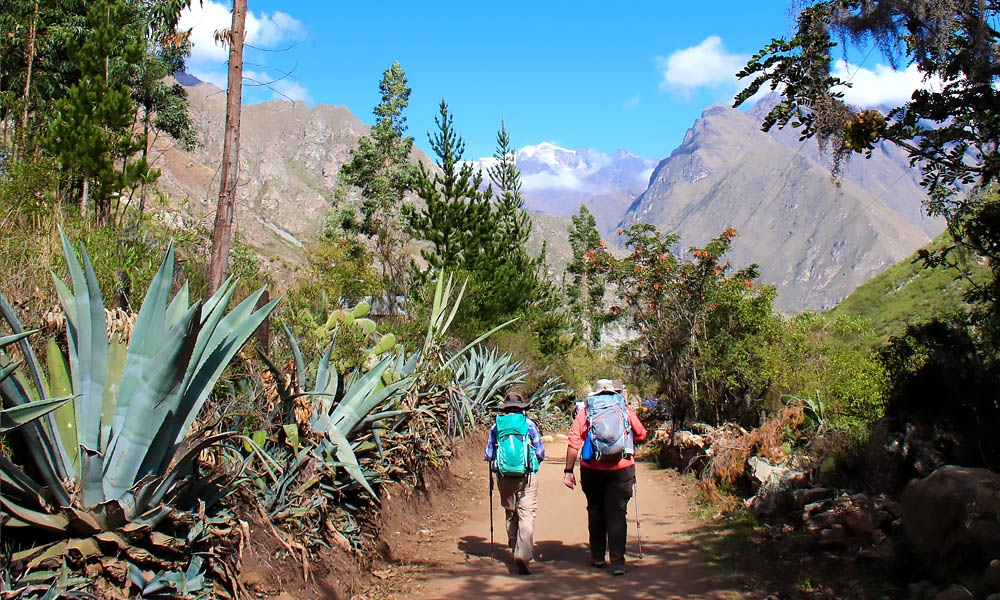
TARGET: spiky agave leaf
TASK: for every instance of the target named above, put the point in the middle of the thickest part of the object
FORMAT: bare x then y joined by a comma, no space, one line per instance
133,411
86,330
26,413
50,456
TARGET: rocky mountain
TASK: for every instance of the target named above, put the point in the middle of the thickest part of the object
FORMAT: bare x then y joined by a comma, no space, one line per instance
290,156
815,239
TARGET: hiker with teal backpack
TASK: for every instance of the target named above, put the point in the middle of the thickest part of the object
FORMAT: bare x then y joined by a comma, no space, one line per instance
515,451
604,435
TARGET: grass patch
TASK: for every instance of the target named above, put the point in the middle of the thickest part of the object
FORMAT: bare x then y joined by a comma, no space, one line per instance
909,293
775,560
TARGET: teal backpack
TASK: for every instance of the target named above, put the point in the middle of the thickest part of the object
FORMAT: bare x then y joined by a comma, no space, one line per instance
515,455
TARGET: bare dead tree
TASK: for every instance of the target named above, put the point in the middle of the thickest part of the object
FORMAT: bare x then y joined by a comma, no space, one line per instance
223,233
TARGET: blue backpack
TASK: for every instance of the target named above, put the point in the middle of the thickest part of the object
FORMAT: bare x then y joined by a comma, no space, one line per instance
608,429
515,455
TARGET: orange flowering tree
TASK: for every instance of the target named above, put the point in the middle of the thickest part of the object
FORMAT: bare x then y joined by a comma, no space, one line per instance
692,318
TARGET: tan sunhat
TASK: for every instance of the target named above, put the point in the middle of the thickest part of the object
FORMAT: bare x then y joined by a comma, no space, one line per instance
603,386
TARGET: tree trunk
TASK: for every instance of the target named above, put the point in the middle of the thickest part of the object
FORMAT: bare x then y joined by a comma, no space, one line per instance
694,372
84,198
223,234
32,31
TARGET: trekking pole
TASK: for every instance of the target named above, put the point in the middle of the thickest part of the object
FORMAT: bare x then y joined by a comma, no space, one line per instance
491,515
638,524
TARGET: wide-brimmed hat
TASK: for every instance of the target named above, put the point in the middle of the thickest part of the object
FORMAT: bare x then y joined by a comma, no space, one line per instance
618,386
513,400
603,386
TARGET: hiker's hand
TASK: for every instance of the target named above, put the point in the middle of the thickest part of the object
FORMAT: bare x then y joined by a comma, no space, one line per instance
569,480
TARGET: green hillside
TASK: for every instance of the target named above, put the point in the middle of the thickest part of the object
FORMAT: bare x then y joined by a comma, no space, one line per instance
909,292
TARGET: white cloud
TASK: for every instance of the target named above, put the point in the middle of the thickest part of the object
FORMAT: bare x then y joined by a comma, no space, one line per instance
272,30
631,102
266,31
563,180
707,65
880,86
204,20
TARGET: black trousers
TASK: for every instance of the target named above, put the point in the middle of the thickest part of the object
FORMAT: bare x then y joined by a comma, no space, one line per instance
608,493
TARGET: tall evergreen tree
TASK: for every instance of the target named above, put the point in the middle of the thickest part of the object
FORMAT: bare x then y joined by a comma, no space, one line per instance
510,274
380,167
63,69
90,130
454,212
162,105
585,291
35,65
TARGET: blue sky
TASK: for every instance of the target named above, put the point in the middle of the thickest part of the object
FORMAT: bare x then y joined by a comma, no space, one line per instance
601,75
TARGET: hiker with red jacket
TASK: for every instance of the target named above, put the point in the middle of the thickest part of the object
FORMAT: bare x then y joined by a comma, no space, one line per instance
515,451
604,436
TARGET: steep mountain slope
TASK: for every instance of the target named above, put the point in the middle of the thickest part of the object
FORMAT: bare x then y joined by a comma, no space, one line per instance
290,156
815,240
909,293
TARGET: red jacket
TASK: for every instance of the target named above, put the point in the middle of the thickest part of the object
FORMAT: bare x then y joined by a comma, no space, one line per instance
578,433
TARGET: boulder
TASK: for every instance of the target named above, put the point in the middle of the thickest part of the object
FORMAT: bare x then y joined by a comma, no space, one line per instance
991,578
776,493
952,519
685,451
761,470
858,521
954,592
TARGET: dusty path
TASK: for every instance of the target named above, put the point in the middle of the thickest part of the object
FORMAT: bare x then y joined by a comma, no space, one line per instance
453,561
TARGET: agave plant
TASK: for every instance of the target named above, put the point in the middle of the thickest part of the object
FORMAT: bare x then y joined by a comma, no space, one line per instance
109,466
342,406
548,391
481,377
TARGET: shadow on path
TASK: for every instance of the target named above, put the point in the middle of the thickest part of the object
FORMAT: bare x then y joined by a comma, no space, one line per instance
458,563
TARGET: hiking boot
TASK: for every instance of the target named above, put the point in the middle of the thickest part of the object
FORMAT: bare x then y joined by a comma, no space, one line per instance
618,570
599,563
522,567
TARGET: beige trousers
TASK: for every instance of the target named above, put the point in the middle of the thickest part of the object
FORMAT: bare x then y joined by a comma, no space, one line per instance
519,498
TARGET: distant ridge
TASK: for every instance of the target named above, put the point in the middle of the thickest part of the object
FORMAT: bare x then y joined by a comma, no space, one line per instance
815,240
186,79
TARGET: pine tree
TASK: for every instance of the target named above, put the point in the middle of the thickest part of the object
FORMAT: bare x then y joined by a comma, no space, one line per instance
380,167
90,131
63,69
510,274
453,217
586,290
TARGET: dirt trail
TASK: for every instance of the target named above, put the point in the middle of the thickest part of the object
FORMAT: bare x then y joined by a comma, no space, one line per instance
453,560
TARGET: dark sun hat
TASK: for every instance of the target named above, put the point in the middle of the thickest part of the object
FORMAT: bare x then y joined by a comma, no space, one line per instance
513,400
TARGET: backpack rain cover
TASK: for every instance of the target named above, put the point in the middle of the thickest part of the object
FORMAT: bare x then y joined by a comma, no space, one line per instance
609,428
